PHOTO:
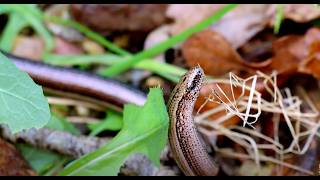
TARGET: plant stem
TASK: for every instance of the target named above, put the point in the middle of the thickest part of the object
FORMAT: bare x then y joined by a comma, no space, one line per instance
89,33
123,66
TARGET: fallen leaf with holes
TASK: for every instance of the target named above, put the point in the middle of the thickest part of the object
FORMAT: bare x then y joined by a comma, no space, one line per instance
213,53
12,163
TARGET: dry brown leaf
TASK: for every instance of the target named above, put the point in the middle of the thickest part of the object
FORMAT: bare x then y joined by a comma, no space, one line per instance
213,53
68,33
12,163
297,54
32,47
92,47
288,52
105,18
28,47
188,15
64,47
158,35
241,24
311,65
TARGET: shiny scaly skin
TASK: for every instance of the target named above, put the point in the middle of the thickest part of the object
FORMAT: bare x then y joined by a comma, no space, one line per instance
189,152
79,84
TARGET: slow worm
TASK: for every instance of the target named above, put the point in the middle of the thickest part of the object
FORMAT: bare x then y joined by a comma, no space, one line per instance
188,151
185,144
78,84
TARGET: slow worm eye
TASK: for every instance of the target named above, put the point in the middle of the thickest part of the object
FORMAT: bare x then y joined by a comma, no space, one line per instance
192,86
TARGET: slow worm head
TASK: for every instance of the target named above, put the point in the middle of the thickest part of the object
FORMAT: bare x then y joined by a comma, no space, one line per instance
189,152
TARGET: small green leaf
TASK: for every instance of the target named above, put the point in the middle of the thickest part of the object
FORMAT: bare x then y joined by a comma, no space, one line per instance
59,123
278,18
23,104
112,122
14,26
43,161
40,160
31,15
144,131
88,33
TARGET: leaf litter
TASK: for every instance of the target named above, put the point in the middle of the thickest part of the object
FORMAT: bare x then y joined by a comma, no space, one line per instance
248,107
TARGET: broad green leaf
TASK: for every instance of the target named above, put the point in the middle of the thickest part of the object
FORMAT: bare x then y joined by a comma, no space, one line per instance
144,131
23,104
112,122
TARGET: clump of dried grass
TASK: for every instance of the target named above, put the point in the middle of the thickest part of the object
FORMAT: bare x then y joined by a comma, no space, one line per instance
303,126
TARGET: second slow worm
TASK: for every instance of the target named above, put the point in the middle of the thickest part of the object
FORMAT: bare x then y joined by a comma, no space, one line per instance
188,151
79,84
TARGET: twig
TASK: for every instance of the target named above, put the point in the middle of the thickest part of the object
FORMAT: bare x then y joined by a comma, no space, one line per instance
76,146
59,141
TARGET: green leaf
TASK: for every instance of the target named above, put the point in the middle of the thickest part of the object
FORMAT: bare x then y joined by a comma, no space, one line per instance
89,33
40,160
144,131
278,18
43,161
163,46
11,30
32,16
112,122
23,104
59,123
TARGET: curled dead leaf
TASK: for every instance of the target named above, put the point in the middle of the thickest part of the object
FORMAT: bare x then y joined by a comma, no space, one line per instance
12,163
288,52
242,23
311,64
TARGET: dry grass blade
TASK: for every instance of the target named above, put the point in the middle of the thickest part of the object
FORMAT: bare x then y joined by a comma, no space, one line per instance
303,126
